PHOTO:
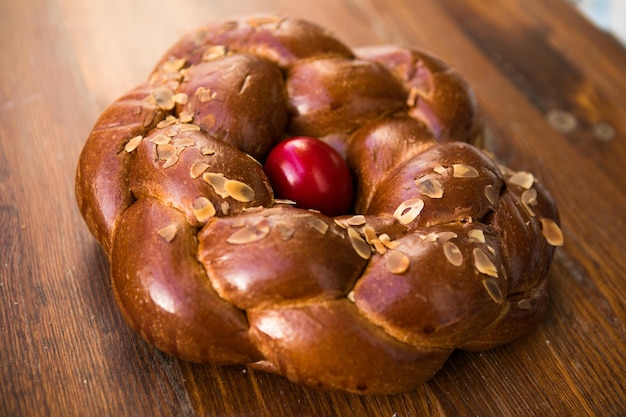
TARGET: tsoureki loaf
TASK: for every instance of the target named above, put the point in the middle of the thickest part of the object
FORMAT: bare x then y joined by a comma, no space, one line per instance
444,249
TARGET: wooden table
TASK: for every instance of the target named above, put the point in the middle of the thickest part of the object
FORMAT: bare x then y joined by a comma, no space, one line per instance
552,87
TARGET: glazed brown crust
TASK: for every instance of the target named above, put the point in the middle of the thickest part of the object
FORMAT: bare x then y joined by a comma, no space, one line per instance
176,307
438,96
337,95
445,248
250,120
308,343
271,271
102,189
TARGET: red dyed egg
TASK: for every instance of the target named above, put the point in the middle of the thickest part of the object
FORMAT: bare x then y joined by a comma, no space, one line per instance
311,173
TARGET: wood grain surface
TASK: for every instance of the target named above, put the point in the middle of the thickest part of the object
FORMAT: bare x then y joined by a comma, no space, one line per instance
552,87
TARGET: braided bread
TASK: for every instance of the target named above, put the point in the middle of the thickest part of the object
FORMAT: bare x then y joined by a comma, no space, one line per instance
445,248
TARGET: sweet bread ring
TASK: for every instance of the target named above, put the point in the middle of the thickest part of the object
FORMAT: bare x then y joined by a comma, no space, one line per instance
445,248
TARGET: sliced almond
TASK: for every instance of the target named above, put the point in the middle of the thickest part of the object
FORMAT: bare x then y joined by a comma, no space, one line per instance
445,236
204,94
160,139
493,289
477,235
318,224
188,127
171,130
360,246
552,232
284,201
133,143
166,151
441,170
171,161
357,220
529,200
217,181
408,210
387,242
491,194
464,171
163,97
453,254
255,209
250,233
168,233
397,262
180,98
173,65
240,191
483,264
225,206
429,237
523,179
370,234
203,209
183,142
254,160
430,187
378,246
214,52
168,121
341,223
185,117
385,237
